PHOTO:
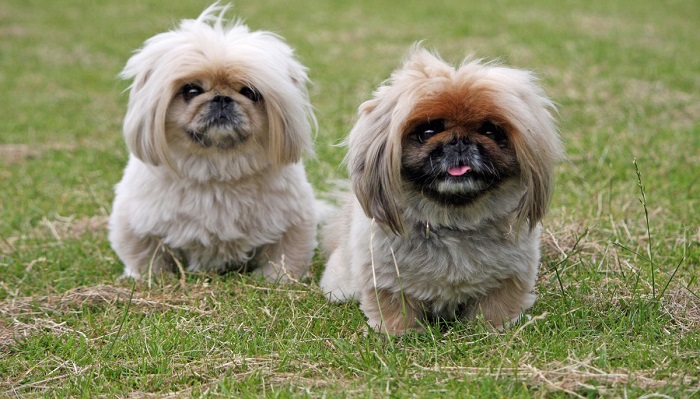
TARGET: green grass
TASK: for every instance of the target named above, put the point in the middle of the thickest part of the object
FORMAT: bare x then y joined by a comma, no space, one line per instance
618,314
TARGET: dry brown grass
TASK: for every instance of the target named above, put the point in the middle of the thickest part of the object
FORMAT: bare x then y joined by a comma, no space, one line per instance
28,315
571,244
15,153
57,229
683,307
71,227
570,377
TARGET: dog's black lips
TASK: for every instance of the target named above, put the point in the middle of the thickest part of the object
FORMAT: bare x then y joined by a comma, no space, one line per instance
427,177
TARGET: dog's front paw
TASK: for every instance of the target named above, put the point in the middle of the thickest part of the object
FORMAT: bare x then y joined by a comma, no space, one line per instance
390,312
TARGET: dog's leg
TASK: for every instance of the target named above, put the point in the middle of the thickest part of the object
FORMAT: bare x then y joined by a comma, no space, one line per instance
290,257
337,280
140,255
391,312
505,304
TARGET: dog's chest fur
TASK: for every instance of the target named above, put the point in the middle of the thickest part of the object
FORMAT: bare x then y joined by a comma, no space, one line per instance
218,223
448,267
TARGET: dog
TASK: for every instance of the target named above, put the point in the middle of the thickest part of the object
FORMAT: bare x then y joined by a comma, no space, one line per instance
217,123
451,171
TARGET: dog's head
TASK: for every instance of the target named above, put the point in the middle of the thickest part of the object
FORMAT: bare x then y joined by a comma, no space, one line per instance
210,88
478,135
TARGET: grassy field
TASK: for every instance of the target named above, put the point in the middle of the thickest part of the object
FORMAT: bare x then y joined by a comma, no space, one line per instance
618,314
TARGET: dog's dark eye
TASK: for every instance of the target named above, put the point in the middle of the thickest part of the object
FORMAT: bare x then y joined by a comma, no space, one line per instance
190,91
424,131
251,93
492,131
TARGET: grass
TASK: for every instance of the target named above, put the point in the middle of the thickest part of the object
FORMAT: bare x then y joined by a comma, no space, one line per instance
618,314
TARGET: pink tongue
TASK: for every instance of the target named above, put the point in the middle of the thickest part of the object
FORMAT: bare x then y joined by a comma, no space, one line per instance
459,170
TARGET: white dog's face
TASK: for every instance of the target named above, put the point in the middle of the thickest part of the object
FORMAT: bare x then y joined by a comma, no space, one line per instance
216,114
206,93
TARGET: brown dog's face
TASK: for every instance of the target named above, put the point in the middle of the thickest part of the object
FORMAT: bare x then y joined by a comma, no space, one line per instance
454,150
433,138
215,113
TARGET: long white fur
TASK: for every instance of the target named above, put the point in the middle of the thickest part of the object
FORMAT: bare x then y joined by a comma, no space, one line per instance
220,209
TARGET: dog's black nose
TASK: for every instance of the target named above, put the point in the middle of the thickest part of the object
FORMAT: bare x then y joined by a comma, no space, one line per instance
223,100
222,110
461,149
221,106
461,141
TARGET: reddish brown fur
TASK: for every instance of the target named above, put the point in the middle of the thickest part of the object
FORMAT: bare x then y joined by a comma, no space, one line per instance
463,112
463,107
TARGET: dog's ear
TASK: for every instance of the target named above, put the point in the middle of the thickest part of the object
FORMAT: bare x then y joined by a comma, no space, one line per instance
538,177
149,97
289,112
536,140
290,131
374,165
144,130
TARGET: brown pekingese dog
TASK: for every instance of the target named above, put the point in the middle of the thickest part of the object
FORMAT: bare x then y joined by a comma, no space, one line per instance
451,172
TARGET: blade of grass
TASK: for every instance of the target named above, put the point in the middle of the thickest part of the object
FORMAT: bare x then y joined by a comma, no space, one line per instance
643,201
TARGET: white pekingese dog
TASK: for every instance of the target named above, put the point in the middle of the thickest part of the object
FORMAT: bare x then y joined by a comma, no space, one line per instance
451,172
217,122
